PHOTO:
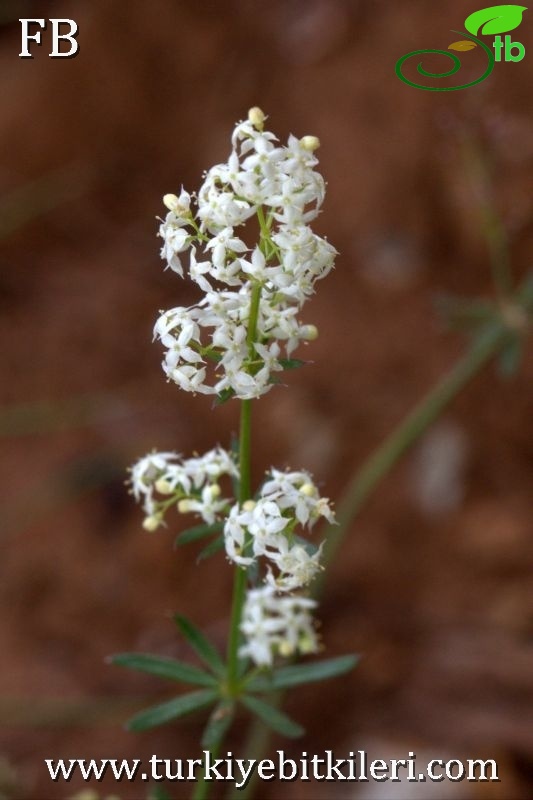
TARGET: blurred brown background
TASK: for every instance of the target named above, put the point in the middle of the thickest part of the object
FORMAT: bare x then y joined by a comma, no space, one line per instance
433,585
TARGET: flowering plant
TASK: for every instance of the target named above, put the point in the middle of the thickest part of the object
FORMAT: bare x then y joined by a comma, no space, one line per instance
234,343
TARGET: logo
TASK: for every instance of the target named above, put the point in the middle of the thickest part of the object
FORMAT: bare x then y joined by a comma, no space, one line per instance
488,21
57,37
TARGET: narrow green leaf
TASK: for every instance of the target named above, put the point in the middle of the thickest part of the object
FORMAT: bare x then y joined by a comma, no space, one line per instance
172,709
197,532
224,396
511,357
302,673
202,646
164,668
244,666
212,548
292,363
219,722
495,19
462,314
272,717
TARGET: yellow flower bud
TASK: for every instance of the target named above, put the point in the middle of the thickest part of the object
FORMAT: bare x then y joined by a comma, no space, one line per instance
249,505
308,490
184,506
257,117
152,523
310,143
285,649
163,487
309,332
307,644
215,490
171,201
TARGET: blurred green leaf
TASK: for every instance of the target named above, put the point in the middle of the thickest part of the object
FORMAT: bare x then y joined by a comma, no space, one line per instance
511,357
164,668
219,722
158,793
212,549
171,710
224,396
464,314
292,363
272,717
197,532
297,674
202,646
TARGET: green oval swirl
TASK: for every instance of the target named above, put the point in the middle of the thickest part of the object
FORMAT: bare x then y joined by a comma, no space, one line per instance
456,67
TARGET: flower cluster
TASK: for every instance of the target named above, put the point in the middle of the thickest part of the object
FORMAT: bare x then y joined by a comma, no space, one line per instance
162,480
266,529
232,343
276,624
229,327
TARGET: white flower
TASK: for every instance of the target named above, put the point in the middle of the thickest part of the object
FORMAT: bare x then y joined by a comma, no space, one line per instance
259,527
266,530
172,230
276,625
296,491
208,506
145,473
207,344
190,484
296,566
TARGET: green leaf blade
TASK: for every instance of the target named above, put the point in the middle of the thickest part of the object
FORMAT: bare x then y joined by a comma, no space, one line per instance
211,549
496,19
164,668
273,717
223,397
511,357
292,363
197,532
298,674
171,710
201,645
218,724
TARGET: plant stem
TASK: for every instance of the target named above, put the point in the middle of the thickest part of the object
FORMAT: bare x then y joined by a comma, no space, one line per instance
239,585
252,323
245,493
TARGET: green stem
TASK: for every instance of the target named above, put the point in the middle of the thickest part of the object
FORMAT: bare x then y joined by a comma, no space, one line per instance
202,789
252,322
245,493
239,585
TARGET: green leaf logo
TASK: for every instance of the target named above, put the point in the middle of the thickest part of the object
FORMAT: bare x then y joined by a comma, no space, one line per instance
496,19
